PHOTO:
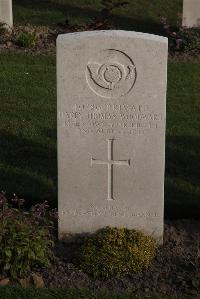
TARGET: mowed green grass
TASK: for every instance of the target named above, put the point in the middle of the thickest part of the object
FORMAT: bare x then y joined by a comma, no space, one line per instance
28,156
139,15
28,126
182,188
19,293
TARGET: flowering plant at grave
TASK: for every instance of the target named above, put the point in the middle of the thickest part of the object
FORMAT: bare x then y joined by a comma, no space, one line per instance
181,39
115,252
25,238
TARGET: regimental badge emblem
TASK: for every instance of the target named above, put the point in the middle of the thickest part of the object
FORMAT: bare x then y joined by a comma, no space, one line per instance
111,74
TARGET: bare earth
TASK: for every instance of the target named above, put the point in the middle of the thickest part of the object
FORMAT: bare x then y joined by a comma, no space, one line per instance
175,270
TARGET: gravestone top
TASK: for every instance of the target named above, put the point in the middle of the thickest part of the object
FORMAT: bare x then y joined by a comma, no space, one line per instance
111,88
114,33
6,15
191,13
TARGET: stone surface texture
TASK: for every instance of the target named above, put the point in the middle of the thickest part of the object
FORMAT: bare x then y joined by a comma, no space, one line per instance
191,13
6,14
111,89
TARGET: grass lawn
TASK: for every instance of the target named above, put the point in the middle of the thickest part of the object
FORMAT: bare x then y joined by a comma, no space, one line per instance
182,189
28,157
28,126
139,15
19,293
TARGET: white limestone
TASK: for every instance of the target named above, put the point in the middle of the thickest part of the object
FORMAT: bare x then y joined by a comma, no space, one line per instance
111,88
6,15
191,13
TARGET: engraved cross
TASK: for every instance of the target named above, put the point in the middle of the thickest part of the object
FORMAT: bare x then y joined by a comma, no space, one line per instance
110,162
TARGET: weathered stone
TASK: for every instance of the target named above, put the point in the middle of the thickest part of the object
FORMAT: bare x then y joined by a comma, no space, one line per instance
6,15
111,131
191,13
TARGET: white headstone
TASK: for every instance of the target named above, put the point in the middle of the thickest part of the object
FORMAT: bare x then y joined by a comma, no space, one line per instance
111,131
191,13
6,15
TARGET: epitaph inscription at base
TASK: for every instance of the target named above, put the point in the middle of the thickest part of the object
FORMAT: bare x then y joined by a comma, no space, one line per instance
111,131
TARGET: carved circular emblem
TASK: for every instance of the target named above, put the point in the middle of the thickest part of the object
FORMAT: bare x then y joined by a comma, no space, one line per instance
111,74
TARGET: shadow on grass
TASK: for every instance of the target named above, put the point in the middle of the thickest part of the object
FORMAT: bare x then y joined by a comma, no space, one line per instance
119,22
66,9
28,168
138,24
182,191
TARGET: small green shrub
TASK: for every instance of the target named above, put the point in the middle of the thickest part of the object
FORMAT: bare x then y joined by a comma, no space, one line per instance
25,240
115,252
26,39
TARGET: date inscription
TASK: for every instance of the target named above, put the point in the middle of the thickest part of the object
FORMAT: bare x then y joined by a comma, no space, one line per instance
109,119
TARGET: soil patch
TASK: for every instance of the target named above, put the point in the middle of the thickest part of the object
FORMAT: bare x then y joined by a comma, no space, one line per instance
174,271
46,40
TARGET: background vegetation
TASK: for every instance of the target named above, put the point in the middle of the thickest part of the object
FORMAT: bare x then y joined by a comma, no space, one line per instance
139,15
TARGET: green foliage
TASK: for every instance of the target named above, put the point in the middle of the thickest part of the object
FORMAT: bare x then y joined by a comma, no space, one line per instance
115,252
184,40
181,39
24,240
26,39
189,39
